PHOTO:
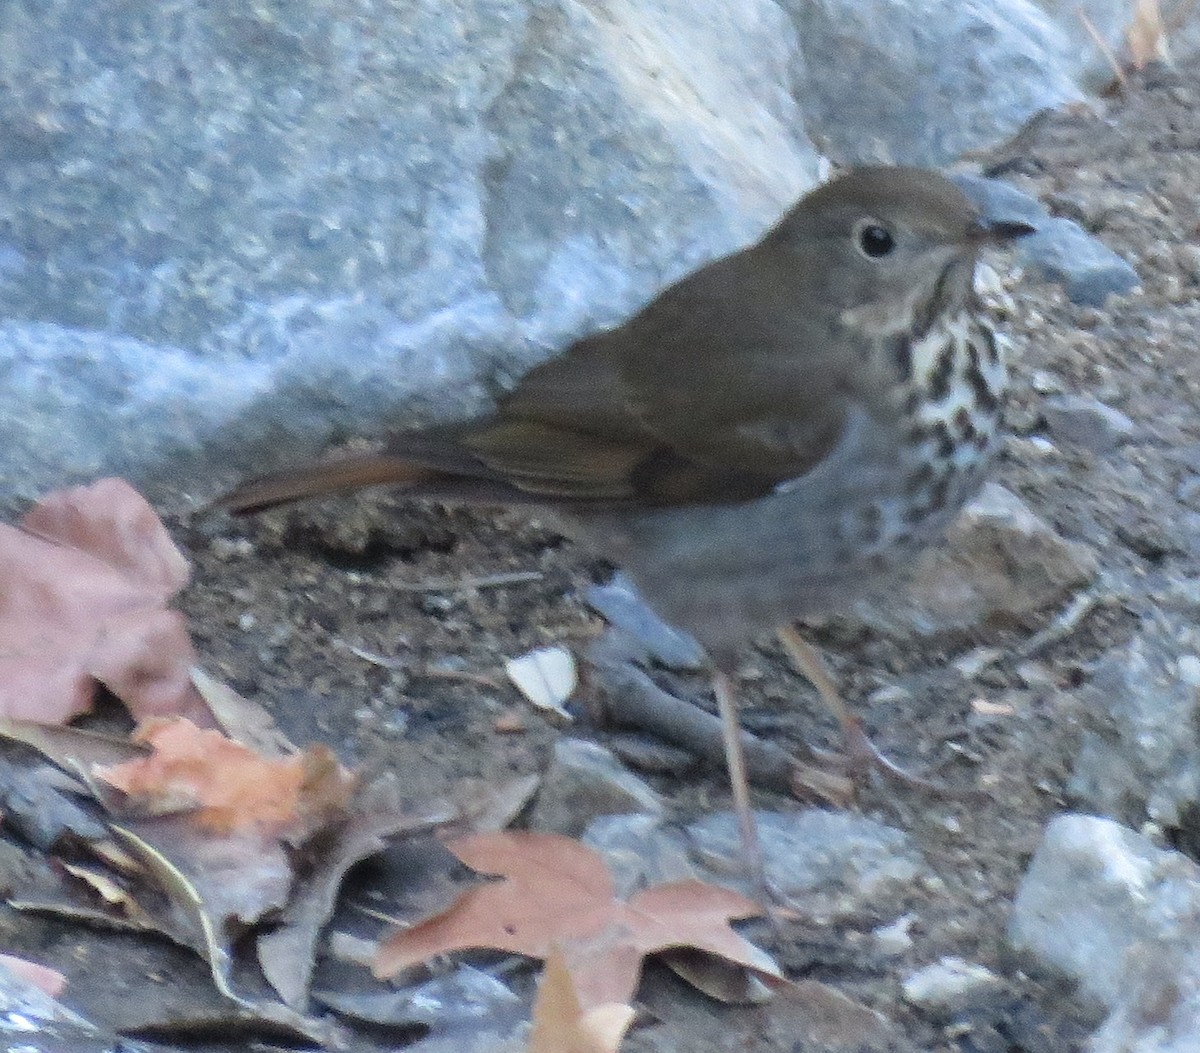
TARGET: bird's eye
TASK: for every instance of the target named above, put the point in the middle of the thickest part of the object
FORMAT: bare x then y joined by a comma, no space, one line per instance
874,240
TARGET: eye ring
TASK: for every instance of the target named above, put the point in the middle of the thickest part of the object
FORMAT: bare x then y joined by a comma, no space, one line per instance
873,239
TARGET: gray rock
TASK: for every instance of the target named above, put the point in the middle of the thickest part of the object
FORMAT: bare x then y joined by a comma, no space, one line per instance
894,938
1161,1011
1142,759
950,985
640,850
921,81
651,639
466,1011
1089,270
1121,917
834,863
1087,422
585,780
997,199
1000,563
1059,249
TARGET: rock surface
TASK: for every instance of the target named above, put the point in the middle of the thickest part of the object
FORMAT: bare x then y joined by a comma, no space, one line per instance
1139,760
584,781
999,564
1120,917
834,863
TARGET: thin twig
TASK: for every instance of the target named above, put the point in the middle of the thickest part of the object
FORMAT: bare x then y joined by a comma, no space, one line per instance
1100,42
431,672
485,581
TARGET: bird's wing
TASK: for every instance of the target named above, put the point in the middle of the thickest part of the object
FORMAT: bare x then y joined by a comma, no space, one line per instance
720,390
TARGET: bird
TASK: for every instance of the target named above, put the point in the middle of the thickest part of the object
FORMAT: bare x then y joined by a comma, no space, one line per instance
770,436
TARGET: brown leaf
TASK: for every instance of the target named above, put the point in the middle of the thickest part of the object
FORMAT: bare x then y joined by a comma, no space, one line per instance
563,1021
226,786
84,582
558,891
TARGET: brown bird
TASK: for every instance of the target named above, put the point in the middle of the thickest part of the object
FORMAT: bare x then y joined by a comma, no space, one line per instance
768,437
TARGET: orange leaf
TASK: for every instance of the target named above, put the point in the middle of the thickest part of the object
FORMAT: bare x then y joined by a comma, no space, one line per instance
228,786
84,583
555,891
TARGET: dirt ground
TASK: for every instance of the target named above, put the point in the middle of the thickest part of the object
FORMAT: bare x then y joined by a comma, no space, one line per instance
278,603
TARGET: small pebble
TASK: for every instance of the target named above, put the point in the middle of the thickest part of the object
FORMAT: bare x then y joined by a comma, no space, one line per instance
949,985
894,939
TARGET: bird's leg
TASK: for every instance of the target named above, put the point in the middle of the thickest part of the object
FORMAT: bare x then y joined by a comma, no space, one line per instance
735,761
862,755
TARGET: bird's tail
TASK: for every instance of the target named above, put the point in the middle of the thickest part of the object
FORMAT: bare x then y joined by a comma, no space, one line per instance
351,472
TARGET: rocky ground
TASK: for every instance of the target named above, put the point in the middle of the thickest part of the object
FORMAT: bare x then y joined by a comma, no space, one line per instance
1105,451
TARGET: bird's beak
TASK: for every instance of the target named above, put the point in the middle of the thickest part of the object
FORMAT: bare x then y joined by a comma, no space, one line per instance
998,231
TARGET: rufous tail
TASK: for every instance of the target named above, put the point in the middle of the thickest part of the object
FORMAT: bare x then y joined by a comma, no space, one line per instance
351,472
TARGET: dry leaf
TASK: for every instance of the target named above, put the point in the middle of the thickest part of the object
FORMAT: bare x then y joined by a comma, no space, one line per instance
287,953
563,1021
546,677
242,720
558,891
1146,35
228,787
84,582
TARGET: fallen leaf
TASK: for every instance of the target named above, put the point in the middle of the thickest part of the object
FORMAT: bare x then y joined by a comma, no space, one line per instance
214,887
1146,35
547,677
242,720
226,786
563,1021
557,891
485,805
84,582
286,953
48,981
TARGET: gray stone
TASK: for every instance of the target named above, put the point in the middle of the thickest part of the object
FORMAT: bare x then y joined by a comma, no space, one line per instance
1120,917
833,863
1089,270
894,938
999,200
1059,250
1000,563
950,985
32,1021
1141,758
1087,422
640,850
651,639
585,780
466,1011
1161,1010
921,81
